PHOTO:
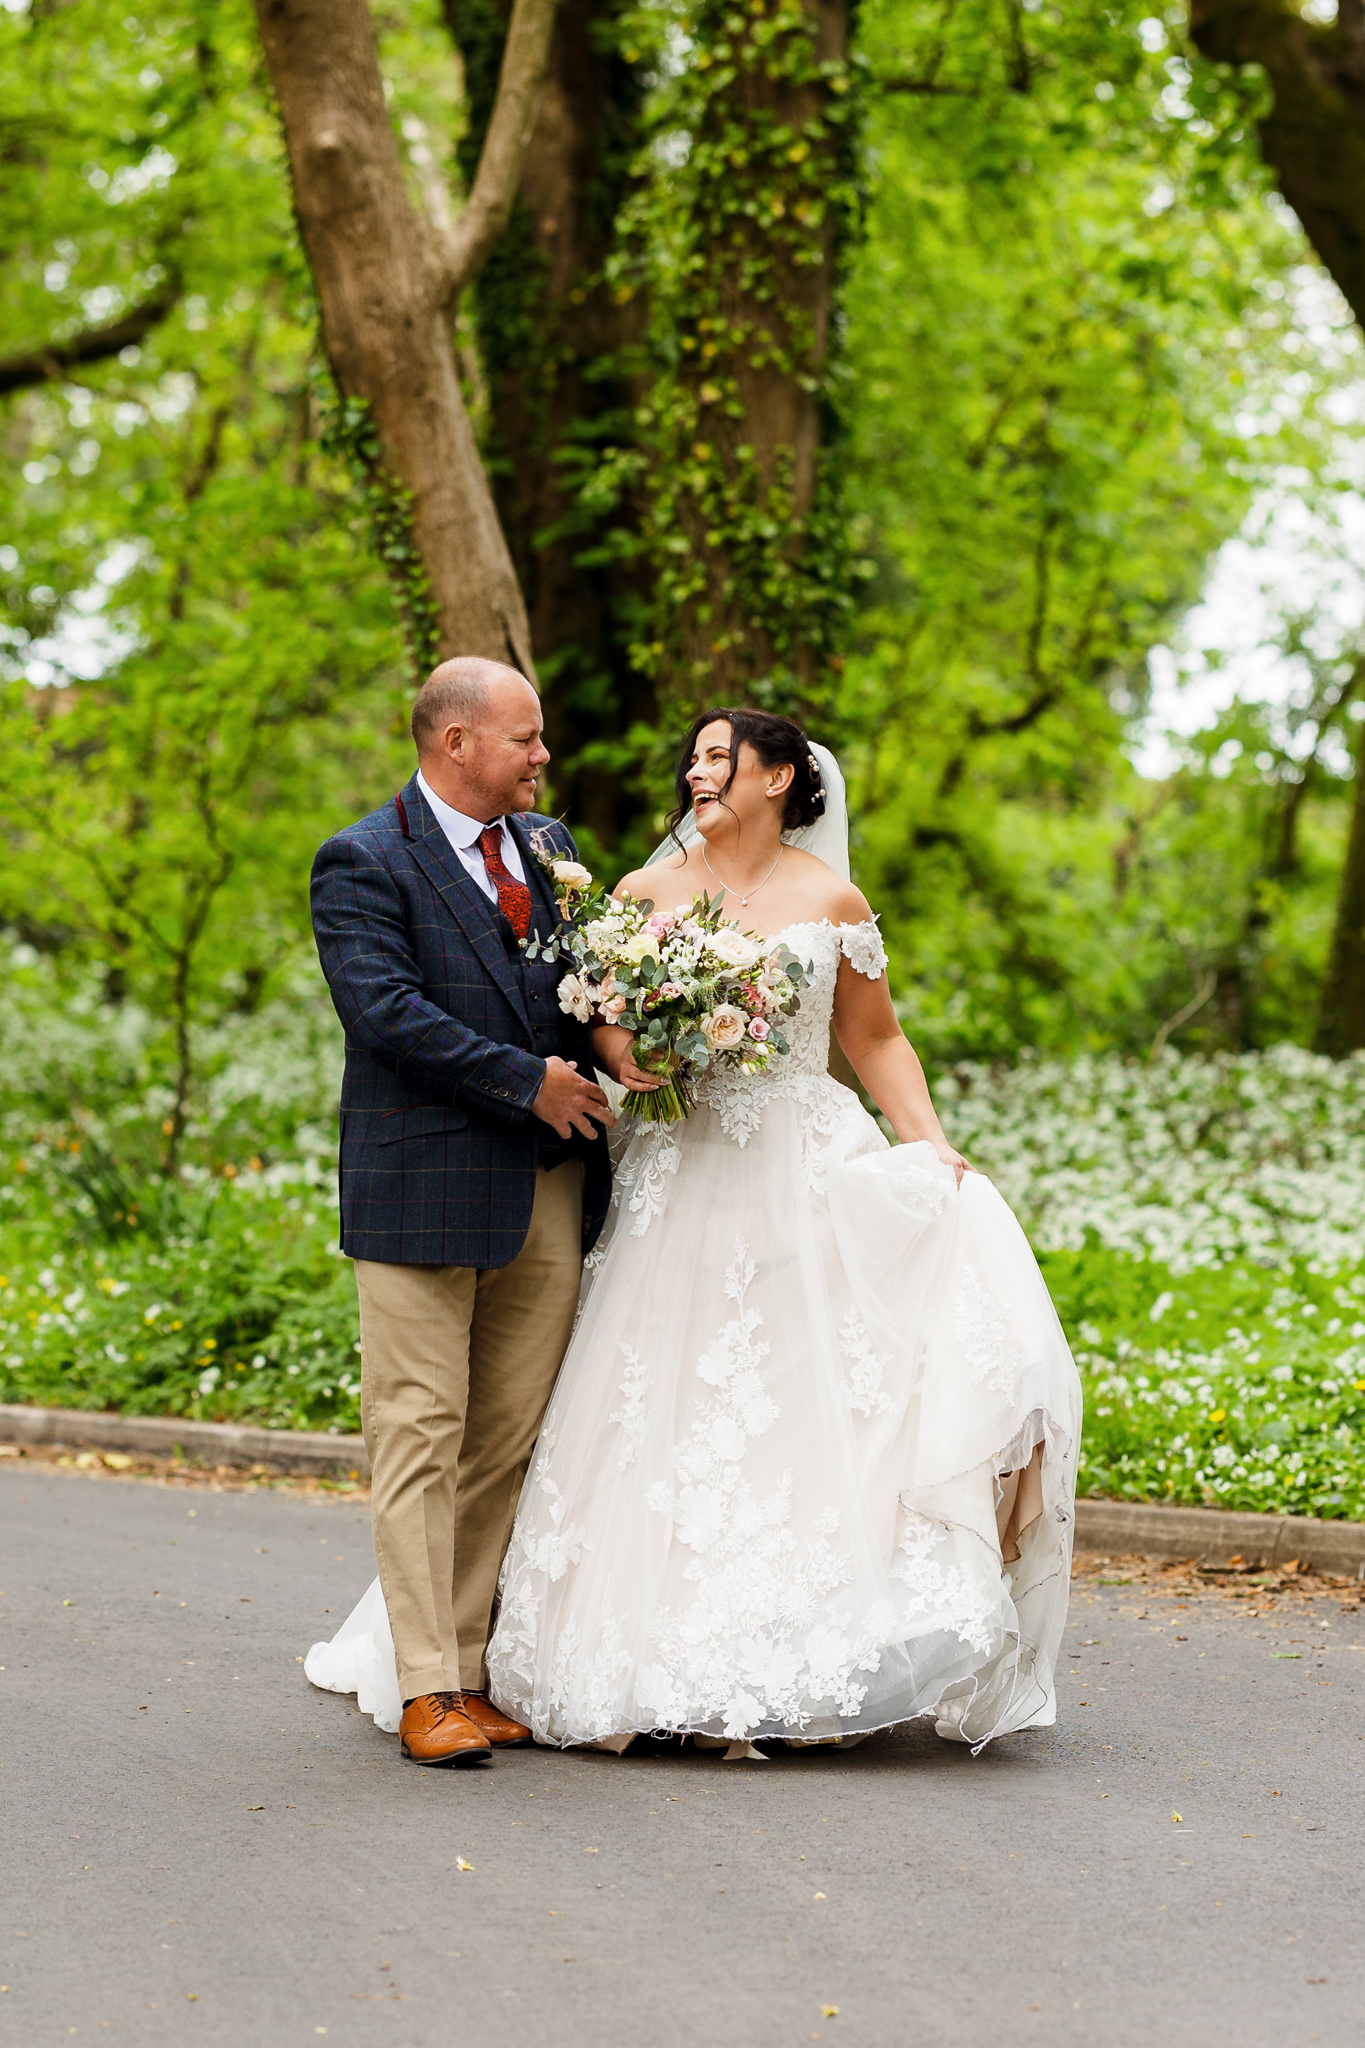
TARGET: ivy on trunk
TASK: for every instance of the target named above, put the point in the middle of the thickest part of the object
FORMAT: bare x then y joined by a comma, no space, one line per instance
754,199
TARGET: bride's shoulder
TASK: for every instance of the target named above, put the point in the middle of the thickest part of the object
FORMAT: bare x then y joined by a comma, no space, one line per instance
644,884
834,899
853,906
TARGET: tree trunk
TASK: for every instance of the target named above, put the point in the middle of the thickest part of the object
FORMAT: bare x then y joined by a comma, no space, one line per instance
751,574
553,333
1314,137
1341,1017
385,283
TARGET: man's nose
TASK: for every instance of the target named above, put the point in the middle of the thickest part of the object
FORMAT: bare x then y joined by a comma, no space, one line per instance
540,754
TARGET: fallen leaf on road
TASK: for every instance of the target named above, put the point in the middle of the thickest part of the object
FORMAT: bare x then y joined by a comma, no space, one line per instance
829,2012
819,1895
1175,1816
460,1864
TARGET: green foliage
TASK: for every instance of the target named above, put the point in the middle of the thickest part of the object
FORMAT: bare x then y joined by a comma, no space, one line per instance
1231,1387
1070,333
249,1316
217,1294
738,238
198,654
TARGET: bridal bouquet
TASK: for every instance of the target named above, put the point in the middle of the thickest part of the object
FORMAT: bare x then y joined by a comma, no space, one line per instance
694,991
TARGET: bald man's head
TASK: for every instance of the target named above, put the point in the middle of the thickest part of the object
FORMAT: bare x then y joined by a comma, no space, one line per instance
459,692
476,725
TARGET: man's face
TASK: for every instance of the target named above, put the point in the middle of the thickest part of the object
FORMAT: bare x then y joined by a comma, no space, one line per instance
502,755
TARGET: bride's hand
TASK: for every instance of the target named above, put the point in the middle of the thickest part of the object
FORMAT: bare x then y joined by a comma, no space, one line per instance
611,1045
955,1160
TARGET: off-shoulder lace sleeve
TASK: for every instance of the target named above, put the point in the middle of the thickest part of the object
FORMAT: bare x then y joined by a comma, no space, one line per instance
863,949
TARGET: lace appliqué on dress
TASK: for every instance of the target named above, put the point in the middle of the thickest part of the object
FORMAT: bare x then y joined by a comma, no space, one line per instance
964,1600
862,1381
981,1325
748,1649
631,1416
863,949
642,1178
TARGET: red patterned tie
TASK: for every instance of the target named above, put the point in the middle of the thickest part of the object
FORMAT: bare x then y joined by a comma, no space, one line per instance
514,898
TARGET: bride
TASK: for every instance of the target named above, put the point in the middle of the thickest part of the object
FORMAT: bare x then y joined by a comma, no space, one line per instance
809,1466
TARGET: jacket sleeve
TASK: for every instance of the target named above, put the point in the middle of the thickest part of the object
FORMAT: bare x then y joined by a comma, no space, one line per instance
376,985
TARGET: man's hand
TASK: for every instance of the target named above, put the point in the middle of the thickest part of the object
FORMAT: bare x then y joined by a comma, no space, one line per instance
568,1102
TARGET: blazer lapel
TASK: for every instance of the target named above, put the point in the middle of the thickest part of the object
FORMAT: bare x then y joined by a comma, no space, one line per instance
475,915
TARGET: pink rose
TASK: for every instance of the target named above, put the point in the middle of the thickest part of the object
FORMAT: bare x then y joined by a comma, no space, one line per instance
759,1028
661,923
611,1010
669,991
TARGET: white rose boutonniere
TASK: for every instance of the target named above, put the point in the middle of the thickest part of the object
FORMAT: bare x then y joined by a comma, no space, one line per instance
571,876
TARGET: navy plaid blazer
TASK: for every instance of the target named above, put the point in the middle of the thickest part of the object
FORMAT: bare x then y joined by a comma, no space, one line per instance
443,1016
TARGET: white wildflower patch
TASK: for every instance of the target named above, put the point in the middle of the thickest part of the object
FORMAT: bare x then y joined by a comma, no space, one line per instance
1187,1161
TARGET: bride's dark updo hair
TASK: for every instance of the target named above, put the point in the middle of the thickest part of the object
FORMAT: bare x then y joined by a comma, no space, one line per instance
777,741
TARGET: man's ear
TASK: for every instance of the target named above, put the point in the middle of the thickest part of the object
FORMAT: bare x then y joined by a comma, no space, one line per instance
452,743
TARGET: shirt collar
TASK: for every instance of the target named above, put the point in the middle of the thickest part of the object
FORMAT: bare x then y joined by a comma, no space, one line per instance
462,831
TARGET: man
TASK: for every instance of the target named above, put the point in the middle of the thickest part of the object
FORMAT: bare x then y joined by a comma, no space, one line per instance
474,1174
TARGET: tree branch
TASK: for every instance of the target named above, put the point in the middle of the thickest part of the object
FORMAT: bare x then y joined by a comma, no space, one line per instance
525,62
92,345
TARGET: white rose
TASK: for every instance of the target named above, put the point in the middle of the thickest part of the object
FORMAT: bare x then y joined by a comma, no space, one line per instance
733,948
571,873
573,999
725,1027
643,946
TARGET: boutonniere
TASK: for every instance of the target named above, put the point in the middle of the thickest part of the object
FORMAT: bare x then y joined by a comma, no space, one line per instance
573,888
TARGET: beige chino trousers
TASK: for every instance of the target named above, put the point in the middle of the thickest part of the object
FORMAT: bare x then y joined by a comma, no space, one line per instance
457,1368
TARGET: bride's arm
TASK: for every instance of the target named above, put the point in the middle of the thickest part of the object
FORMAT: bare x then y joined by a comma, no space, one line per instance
886,1063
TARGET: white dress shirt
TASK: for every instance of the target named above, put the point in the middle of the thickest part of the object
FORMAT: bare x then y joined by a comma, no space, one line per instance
463,834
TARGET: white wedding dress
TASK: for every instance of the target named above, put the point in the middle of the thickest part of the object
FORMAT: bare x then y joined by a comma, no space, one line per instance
771,1489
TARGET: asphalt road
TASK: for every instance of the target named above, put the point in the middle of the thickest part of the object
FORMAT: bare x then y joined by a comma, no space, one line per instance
199,1848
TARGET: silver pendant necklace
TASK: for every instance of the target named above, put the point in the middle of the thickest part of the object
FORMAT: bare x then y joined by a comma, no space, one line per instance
734,892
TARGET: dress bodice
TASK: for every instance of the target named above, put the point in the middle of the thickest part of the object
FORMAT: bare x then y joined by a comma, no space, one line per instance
820,945
802,1073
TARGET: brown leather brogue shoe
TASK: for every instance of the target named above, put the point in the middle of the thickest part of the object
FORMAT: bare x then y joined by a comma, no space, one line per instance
435,1730
501,1730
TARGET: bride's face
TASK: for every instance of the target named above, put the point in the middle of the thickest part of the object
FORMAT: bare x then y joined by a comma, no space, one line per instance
756,792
